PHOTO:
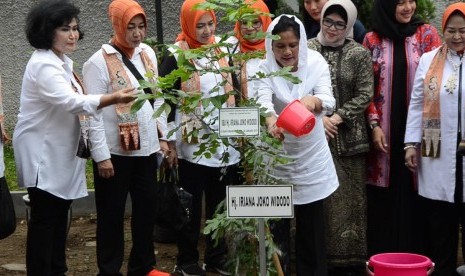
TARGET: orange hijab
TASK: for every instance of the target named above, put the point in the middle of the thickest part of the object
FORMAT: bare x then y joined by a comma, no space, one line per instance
449,10
245,45
121,12
189,18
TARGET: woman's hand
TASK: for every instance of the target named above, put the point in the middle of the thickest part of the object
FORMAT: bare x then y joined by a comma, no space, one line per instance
105,169
125,95
312,103
169,153
273,129
411,158
5,136
330,124
379,139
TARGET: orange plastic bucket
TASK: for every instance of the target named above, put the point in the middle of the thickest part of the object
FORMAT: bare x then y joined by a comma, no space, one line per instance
296,119
399,264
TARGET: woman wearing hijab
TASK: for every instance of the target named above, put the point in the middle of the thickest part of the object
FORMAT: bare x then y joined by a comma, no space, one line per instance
396,43
346,129
311,171
311,14
51,128
247,40
201,175
247,29
124,144
434,131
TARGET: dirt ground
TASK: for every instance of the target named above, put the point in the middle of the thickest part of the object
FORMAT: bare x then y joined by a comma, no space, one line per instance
81,255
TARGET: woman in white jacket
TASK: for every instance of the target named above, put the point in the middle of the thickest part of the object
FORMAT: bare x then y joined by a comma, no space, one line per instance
51,128
435,127
312,170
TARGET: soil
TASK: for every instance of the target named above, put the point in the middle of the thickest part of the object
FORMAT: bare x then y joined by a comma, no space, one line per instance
81,252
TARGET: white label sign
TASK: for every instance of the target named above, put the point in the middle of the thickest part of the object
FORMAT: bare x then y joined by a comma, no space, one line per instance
239,122
260,201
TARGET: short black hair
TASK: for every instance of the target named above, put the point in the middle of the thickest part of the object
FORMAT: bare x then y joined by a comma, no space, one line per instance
337,9
286,23
43,20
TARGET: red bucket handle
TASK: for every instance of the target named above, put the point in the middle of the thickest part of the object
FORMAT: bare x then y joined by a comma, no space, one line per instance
431,269
371,273
369,268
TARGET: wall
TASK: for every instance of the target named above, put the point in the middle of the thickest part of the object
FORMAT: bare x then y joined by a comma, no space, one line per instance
15,50
440,7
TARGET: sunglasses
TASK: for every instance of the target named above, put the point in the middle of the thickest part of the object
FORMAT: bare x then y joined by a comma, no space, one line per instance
339,25
256,24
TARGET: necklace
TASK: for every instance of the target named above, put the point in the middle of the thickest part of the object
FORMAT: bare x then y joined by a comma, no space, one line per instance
451,83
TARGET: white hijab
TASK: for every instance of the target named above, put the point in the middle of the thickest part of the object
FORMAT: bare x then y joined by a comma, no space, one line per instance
282,90
351,11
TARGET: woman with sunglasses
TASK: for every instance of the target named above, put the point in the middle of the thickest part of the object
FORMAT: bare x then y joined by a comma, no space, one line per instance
248,38
347,134
396,43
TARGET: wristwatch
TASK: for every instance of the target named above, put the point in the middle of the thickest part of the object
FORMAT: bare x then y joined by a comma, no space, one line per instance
374,125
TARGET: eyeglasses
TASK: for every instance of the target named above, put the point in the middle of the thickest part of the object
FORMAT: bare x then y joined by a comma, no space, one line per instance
339,25
256,24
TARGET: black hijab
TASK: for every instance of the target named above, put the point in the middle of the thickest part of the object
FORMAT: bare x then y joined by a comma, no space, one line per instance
384,21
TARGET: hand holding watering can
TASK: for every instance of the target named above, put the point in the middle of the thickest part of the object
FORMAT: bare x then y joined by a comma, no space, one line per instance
295,118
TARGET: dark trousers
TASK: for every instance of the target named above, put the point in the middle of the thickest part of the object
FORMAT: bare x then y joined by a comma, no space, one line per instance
441,230
310,244
138,177
198,180
393,219
46,235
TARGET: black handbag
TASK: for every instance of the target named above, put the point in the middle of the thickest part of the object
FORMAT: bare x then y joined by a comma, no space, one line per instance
83,150
7,211
173,202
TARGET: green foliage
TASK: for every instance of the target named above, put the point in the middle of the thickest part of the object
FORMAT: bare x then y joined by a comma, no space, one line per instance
283,8
242,237
364,8
10,167
259,155
426,10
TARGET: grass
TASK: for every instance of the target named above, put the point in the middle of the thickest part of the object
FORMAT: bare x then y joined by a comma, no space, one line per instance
10,169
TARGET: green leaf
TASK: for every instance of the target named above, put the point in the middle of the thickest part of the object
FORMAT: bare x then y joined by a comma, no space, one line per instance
137,105
165,107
